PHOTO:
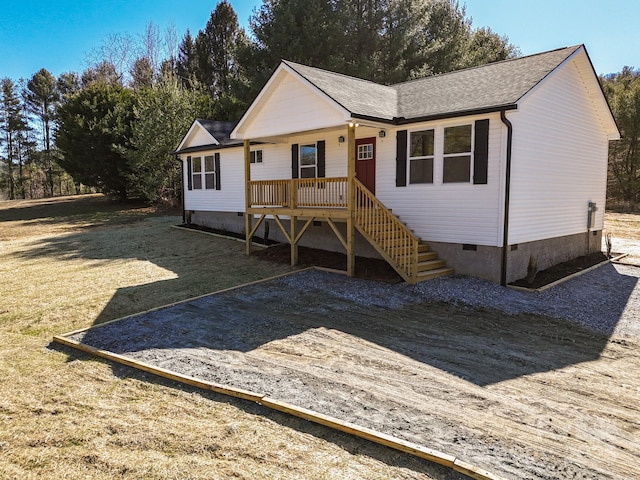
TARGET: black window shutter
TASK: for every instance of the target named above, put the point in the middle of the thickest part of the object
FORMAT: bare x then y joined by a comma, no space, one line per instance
481,152
321,155
294,160
189,176
217,167
401,158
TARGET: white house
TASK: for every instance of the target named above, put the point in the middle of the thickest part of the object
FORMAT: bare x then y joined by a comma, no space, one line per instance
489,169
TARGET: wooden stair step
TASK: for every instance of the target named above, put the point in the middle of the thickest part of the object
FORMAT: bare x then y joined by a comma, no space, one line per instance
422,256
431,274
426,256
430,265
423,247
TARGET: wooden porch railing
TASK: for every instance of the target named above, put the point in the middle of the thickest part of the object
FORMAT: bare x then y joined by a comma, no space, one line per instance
299,192
391,238
389,235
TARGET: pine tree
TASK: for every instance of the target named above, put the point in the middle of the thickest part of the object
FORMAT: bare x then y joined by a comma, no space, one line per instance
14,125
186,63
215,50
41,97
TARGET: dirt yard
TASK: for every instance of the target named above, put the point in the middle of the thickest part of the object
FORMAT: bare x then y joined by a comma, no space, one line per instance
520,394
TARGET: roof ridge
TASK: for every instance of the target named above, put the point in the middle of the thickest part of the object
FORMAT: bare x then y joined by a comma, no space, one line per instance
339,74
573,48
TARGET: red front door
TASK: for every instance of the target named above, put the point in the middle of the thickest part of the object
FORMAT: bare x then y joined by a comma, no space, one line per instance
366,162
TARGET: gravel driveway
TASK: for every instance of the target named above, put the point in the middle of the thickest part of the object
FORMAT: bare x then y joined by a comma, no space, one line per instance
527,385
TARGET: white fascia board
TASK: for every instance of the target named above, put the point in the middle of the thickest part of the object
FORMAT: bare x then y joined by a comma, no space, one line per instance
595,92
196,124
330,101
547,76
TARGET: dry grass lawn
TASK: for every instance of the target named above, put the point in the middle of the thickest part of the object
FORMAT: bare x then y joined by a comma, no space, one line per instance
70,262
623,225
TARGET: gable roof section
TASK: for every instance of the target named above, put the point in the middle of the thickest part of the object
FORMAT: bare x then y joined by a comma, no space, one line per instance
355,95
492,86
217,134
218,130
487,88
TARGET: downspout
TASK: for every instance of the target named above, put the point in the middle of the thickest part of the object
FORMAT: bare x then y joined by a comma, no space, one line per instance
184,212
507,191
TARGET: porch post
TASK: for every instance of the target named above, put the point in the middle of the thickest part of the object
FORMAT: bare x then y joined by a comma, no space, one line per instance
293,190
248,220
351,199
294,242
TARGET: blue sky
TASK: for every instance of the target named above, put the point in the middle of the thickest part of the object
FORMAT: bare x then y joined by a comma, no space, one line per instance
58,34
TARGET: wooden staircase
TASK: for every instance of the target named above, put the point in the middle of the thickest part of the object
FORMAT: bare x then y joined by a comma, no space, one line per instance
398,245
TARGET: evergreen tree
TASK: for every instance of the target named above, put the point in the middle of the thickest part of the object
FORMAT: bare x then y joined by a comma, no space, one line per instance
15,128
215,49
187,62
42,97
142,74
104,72
9,122
623,93
67,84
387,41
93,135
162,114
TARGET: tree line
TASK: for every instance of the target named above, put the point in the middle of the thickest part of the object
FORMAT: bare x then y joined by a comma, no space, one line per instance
113,126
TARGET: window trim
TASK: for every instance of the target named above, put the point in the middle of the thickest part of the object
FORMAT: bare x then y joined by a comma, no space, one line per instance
469,154
308,167
199,178
196,173
211,172
253,157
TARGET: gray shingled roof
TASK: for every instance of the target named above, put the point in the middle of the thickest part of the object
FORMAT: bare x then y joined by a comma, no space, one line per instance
499,84
219,130
354,94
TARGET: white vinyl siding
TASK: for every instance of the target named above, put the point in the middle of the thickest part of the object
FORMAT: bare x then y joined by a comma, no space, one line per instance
446,212
201,137
232,180
559,160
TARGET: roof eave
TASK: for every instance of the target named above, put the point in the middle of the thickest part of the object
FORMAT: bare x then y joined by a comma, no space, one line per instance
196,124
211,146
461,113
611,135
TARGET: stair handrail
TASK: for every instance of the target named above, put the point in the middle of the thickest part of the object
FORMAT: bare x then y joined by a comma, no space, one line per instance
396,243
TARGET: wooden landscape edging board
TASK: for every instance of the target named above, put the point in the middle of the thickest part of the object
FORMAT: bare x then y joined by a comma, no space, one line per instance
380,438
569,277
161,372
220,235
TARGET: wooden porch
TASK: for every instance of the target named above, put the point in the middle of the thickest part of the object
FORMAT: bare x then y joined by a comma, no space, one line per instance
338,199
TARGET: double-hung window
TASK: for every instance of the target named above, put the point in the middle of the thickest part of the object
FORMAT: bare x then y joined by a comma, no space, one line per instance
203,173
456,162
255,156
421,156
454,154
308,161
